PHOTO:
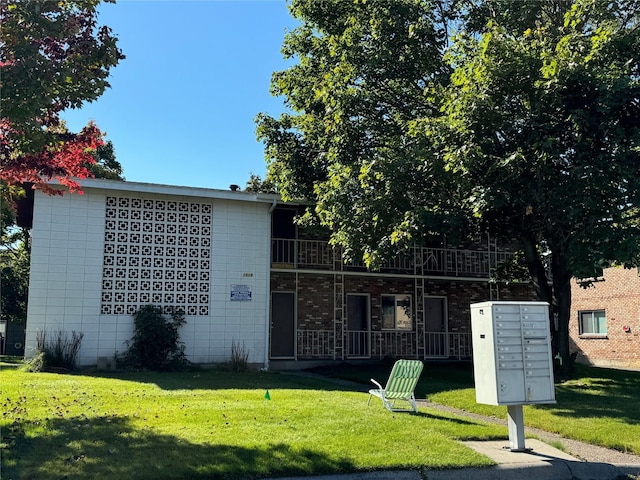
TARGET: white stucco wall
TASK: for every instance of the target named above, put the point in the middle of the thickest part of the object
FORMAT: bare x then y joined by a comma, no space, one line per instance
68,241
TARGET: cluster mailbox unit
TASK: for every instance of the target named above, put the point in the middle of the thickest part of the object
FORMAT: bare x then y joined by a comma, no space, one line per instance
512,359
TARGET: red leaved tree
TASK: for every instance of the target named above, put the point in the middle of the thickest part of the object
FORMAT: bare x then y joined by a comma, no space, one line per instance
53,56
68,157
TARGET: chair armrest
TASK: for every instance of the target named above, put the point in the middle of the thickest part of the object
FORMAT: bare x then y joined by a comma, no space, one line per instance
379,386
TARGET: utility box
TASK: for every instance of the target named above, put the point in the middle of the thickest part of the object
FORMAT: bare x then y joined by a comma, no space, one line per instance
512,358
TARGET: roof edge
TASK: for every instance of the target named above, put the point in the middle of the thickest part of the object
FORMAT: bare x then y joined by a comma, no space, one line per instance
141,187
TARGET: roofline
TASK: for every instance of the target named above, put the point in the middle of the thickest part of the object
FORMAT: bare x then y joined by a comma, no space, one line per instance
140,187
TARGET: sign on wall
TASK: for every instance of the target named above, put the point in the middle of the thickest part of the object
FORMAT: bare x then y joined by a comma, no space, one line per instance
240,293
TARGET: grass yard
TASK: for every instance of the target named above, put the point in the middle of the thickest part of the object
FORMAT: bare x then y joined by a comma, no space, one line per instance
600,406
214,424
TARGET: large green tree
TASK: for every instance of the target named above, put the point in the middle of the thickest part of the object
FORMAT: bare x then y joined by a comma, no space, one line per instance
360,81
542,123
105,164
413,117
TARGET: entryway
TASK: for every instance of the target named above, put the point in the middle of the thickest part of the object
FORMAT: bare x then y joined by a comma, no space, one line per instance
283,328
358,326
436,326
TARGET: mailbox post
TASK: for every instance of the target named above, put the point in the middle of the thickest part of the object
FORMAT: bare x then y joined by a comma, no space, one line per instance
512,359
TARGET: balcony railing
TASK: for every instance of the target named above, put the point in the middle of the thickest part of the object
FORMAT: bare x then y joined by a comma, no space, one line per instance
316,254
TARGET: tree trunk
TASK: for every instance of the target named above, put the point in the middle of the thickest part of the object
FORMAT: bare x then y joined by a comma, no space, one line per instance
557,294
537,271
562,297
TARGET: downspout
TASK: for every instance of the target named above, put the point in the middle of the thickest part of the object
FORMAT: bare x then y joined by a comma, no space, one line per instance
267,313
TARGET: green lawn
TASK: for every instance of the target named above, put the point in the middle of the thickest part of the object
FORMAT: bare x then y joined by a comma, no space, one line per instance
600,406
214,424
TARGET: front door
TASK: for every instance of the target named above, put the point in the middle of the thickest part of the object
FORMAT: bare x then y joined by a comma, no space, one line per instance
358,325
283,331
435,319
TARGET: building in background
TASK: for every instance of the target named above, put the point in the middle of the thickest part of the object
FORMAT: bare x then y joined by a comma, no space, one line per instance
605,320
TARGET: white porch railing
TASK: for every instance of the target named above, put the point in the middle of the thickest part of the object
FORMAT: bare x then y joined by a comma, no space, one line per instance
447,345
319,344
315,343
301,253
394,344
358,343
288,253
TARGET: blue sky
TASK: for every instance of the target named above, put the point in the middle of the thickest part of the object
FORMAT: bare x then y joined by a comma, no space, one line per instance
181,106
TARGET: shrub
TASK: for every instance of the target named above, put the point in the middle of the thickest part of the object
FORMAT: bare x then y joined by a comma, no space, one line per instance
156,341
35,363
239,357
59,353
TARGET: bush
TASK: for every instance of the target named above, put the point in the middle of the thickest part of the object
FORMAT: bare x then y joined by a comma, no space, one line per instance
57,354
239,357
156,341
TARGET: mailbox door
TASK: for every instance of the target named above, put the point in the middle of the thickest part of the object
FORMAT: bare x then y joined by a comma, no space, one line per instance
510,382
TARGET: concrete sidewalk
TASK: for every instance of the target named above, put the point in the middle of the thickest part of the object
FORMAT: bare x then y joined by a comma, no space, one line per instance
540,462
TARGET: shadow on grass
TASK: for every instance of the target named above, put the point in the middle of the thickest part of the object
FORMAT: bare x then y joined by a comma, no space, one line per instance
594,393
435,377
451,419
340,377
111,448
600,393
216,379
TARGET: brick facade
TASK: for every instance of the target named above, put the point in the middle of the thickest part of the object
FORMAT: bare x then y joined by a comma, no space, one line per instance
460,295
619,296
315,300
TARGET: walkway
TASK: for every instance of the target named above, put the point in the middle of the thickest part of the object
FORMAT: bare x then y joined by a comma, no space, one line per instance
580,450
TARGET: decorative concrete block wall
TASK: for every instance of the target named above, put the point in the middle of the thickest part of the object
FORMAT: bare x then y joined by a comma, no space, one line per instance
98,257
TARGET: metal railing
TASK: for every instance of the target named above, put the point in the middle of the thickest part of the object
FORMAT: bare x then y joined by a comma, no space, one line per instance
286,253
394,344
315,343
320,344
358,343
448,345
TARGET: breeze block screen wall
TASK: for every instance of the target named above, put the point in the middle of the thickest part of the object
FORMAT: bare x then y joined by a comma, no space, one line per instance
156,252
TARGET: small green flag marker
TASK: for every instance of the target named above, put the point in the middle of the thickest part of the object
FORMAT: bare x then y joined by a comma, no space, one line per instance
267,396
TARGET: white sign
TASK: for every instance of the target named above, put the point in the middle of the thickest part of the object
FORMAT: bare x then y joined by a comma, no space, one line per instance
240,293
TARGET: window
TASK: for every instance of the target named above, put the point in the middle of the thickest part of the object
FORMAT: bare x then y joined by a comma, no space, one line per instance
396,312
593,322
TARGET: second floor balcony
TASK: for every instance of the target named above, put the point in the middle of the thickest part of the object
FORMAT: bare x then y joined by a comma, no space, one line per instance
447,262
